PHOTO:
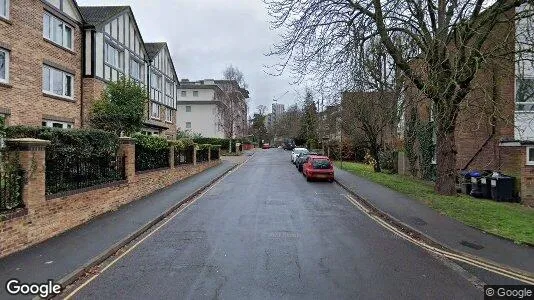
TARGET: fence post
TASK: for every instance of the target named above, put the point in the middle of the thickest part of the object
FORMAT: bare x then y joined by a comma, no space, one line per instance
30,154
209,153
127,149
195,155
171,157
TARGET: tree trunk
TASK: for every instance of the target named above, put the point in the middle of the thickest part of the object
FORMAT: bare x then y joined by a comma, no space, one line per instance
377,167
446,162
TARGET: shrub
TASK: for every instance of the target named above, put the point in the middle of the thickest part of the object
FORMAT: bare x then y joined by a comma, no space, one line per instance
120,108
70,142
151,142
182,144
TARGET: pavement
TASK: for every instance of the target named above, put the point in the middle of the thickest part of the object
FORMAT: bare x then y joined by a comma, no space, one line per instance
264,232
446,231
64,254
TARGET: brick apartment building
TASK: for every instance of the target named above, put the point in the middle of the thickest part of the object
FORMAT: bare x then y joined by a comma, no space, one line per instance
56,59
495,126
41,63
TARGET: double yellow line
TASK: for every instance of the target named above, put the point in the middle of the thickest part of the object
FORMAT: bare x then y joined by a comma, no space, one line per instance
516,275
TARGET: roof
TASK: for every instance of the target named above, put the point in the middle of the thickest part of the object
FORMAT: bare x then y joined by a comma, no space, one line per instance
95,15
153,49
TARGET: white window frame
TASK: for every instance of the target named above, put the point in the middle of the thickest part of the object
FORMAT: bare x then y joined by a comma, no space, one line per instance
528,161
63,81
7,54
6,4
50,124
168,115
169,92
188,108
140,69
153,115
183,93
529,104
49,36
120,56
190,125
195,93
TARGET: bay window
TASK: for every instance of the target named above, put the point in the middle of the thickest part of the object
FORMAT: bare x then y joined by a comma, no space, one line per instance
57,82
57,31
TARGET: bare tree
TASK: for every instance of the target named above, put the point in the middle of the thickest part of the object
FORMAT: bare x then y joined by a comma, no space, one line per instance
261,109
439,46
233,73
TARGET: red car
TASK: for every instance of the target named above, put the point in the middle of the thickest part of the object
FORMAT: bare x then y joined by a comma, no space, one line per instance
266,146
318,167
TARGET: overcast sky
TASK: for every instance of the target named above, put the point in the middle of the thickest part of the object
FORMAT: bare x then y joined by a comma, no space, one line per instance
205,36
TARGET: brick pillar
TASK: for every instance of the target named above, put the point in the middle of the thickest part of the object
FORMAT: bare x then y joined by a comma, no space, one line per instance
209,153
127,148
171,156
195,155
30,154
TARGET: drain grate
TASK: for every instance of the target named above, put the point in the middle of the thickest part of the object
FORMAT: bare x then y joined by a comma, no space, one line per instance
472,245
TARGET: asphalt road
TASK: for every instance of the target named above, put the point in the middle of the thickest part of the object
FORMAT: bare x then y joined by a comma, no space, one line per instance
265,233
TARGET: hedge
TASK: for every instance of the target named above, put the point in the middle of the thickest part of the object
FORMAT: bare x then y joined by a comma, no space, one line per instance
151,142
182,144
223,143
69,142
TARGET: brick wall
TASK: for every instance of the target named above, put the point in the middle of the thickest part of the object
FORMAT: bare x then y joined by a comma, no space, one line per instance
92,90
43,219
22,99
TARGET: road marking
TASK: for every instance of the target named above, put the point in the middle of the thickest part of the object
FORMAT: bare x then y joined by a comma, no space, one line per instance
448,254
170,218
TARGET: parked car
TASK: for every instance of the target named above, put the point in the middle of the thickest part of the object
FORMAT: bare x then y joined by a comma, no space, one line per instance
296,152
301,159
318,167
266,146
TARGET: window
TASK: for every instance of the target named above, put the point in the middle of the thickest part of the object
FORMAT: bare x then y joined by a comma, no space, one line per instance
4,66
530,156
57,82
136,70
188,125
156,81
168,114
4,9
57,31
113,56
57,124
184,93
169,92
155,111
195,93
188,108
524,95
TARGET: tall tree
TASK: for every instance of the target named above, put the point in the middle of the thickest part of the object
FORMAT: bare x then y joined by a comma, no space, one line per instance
448,38
233,73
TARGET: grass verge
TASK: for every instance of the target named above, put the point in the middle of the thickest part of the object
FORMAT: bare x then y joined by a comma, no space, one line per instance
508,220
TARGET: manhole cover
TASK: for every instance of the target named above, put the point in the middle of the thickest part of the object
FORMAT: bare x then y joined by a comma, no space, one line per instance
471,245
